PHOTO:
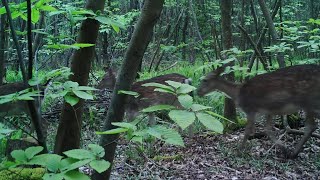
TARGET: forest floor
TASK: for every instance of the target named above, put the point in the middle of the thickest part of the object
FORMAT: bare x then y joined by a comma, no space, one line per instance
206,156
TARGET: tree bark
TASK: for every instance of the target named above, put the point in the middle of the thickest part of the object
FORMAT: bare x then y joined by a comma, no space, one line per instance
226,5
138,44
3,43
272,29
68,135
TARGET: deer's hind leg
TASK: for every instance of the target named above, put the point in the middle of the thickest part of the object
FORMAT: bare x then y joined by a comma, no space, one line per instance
310,127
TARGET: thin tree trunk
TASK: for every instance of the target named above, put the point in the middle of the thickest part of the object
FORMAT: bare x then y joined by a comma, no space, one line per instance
68,135
138,44
226,6
272,29
3,43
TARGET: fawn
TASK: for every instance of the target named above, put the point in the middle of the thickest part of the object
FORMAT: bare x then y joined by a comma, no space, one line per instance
147,95
283,91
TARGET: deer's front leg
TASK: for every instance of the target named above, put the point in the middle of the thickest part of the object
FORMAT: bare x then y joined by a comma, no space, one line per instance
250,129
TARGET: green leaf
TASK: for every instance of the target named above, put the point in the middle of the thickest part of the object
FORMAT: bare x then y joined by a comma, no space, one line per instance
75,175
138,139
210,122
125,125
47,8
182,117
158,85
32,151
53,162
79,154
185,89
219,116
86,88
82,94
185,100
77,165
83,45
97,150
169,136
100,165
157,108
113,131
53,176
199,107
174,84
164,90
71,100
35,15
19,155
70,85
131,93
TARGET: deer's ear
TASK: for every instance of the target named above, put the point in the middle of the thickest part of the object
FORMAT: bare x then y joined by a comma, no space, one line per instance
218,71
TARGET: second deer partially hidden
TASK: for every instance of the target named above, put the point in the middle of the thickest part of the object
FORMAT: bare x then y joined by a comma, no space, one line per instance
283,91
147,95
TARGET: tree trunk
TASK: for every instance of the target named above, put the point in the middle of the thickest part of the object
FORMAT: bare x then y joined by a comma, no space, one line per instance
226,5
3,43
272,29
138,44
68,135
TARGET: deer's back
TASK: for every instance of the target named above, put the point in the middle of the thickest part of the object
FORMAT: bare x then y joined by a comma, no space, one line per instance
147,95
287,89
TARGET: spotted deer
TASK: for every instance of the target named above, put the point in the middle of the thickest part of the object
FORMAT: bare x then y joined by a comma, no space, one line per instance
280,92
147,96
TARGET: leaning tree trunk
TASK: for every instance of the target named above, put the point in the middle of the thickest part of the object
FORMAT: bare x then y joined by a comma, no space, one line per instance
68,135
272,29
226,5
138,44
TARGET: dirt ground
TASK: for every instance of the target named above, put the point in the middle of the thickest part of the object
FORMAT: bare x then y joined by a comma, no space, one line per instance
205,156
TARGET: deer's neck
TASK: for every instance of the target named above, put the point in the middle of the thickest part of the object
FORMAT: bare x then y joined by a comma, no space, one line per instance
231,89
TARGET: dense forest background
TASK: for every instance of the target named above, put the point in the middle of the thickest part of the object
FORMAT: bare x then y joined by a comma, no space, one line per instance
66,48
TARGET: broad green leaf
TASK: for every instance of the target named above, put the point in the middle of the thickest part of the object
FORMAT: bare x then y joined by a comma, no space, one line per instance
158,85
70,85
19,155
169,136
53,176
199,107
47,8
71,100
100,165
113,131
79,154
77,165
164,90
32,151
185,89
174,84
56,13
210,122
75,175
157,108
96,149
53,162
182,117
125,125
82,94
185,100
66,162
35,15
138,139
